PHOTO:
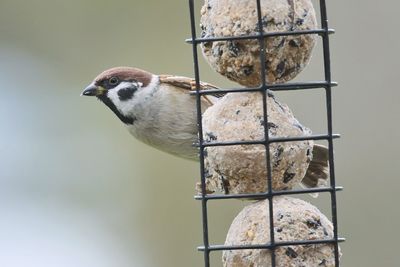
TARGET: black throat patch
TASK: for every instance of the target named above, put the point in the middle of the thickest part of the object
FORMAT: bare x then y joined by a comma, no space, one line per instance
110,104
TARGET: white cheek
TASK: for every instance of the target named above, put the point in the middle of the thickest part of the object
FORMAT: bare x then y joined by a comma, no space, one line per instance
125,107
133,106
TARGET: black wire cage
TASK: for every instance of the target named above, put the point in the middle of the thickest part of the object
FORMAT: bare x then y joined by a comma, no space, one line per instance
326,84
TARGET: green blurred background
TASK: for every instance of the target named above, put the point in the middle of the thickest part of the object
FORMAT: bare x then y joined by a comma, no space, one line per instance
77,190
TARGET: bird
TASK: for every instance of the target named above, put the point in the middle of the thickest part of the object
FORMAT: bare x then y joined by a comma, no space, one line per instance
156,109
160,110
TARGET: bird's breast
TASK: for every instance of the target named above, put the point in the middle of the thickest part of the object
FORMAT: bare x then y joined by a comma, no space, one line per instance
168,124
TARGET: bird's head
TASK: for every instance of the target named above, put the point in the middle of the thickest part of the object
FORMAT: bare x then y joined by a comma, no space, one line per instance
118,87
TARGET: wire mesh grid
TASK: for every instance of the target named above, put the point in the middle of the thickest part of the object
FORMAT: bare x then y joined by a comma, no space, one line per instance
326,84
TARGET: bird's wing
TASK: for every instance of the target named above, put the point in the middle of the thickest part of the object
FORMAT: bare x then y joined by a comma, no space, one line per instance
189,84
317,174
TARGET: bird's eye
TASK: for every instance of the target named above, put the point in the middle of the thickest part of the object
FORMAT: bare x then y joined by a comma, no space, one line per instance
113,81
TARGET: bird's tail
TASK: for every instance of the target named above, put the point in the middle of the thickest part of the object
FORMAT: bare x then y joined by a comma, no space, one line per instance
317,174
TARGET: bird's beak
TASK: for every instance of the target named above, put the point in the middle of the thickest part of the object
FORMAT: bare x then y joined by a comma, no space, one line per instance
93,90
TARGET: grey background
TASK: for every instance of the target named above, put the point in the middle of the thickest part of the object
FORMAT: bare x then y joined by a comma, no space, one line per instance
77,190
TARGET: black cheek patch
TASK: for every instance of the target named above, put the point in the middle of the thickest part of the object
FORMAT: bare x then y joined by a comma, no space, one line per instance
125,94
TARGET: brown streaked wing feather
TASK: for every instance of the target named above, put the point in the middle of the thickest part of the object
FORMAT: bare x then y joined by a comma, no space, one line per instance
188,83
317,174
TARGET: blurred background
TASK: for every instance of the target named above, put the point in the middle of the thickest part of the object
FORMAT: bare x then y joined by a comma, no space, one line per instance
77,190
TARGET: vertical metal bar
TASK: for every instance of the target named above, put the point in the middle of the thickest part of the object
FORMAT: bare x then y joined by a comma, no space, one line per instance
200,130
328,90
266,133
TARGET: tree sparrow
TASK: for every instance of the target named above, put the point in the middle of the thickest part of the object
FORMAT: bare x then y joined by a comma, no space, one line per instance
160,111
157,109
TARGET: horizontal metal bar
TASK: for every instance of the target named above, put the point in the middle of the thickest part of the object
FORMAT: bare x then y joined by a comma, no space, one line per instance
303,138
271,140
258,36
300,86
272,87
233,143
225,91
269,246
267,195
